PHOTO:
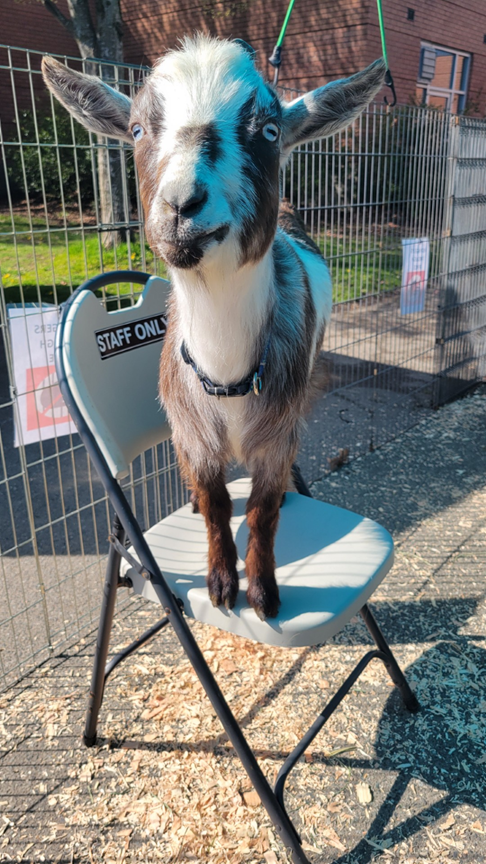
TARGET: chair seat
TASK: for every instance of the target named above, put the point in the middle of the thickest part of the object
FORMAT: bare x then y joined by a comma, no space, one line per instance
329,562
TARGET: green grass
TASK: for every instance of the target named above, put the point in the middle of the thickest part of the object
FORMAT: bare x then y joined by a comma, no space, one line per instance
50,267
362,267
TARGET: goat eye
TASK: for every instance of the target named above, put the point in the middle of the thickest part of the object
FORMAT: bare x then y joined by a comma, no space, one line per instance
137,132
271,131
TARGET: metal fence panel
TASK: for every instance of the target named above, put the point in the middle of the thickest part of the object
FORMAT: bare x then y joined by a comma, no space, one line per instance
360,194
70,208
462,338
54,235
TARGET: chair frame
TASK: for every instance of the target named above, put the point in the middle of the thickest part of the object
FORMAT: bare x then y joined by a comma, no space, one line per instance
125,525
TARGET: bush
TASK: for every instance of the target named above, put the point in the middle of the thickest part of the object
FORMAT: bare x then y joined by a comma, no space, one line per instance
58,165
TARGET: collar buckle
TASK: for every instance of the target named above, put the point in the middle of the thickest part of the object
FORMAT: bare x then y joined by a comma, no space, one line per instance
257,384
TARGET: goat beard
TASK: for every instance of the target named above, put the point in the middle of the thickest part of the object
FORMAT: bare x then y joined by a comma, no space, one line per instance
182,257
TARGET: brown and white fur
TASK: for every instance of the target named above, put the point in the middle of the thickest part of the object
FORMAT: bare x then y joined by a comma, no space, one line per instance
210,137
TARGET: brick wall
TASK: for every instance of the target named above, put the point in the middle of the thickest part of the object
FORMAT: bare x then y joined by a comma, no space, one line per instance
326,39
459,24
28,26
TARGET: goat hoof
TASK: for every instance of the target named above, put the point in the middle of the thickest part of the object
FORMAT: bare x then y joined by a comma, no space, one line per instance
223,588
264,599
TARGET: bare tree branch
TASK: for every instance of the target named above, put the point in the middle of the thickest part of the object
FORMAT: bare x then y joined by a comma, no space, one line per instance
99,37
66,22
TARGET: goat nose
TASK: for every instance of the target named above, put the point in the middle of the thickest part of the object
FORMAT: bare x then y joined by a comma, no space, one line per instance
195,203
191,206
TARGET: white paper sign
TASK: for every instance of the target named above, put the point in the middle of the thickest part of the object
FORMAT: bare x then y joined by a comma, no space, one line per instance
40,411
415,273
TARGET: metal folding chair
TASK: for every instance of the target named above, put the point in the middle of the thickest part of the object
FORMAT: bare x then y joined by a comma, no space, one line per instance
329,560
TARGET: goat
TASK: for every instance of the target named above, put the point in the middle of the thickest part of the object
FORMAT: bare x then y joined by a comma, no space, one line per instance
251,293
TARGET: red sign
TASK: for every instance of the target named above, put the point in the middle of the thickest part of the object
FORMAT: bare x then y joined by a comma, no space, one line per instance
45,404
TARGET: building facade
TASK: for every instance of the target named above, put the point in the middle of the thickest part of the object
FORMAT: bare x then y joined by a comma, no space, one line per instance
436,48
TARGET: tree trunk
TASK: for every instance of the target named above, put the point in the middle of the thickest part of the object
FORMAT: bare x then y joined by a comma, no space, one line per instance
102,40
110,191
109,37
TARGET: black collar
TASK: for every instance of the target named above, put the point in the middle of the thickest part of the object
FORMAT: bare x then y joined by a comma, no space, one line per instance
253,381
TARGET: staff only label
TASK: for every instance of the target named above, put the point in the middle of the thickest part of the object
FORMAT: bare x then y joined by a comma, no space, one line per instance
134,334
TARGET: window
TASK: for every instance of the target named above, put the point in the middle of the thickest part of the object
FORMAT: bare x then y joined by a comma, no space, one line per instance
443,75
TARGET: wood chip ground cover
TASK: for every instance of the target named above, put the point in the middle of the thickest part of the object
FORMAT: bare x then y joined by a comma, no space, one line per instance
377,783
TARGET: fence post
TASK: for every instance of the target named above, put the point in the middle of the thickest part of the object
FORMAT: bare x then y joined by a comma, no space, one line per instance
447,254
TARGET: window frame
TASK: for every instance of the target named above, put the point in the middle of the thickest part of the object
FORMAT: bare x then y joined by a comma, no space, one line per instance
448,93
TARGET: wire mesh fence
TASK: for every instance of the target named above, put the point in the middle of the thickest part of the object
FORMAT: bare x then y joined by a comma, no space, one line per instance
362,194
70,208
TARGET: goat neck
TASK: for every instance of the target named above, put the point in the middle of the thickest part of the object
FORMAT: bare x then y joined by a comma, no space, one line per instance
221,311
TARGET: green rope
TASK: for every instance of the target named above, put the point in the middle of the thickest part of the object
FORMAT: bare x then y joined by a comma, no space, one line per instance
380,19
276,57
284,25
382,32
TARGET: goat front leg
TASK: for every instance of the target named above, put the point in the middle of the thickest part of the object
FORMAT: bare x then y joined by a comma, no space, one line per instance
210,496
262,514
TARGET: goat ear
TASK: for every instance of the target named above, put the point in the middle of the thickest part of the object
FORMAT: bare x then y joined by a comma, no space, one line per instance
331,108
95,104
249,50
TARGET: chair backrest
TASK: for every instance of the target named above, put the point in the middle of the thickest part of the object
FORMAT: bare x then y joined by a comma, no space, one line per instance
110,362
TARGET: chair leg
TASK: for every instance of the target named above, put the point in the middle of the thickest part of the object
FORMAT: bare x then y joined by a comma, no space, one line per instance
408,697
283,824
103,637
